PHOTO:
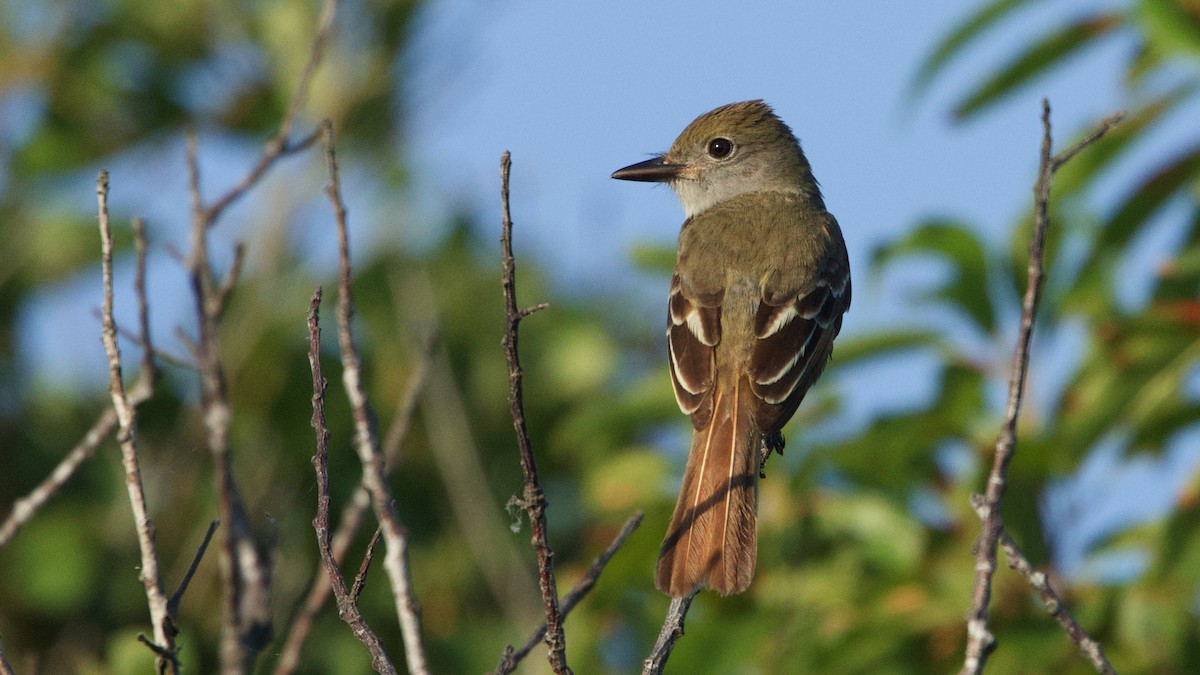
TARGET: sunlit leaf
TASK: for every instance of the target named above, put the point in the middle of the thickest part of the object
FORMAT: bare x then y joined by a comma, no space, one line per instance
954,43
1035,60
1173,25
1172,177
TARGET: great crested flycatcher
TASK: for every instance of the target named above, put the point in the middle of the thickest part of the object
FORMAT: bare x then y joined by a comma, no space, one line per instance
761,282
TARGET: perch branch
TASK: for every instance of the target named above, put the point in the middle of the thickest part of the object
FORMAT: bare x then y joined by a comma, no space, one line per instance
672,630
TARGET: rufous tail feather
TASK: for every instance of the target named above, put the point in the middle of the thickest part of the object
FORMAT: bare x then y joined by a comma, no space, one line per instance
712,539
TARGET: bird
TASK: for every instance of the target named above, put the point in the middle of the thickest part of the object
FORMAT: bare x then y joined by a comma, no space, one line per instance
760,287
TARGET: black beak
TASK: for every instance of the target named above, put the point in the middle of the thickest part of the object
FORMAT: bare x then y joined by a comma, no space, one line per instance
653,170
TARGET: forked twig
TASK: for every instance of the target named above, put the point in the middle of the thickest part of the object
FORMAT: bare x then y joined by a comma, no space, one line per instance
980,640
511,657
366,440
160,617
1017,561
347,605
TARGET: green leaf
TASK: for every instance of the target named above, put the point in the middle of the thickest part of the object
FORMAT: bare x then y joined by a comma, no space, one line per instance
1171,25
951,241
653,257
1150,196
1172,177
856,348
1035,60
956,41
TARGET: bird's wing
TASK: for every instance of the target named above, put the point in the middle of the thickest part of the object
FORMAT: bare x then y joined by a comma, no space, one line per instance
795,331
693,331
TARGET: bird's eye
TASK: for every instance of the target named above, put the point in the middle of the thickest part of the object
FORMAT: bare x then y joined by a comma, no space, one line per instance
719,148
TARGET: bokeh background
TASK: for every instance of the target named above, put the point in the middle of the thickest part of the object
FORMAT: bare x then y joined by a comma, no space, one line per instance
922,123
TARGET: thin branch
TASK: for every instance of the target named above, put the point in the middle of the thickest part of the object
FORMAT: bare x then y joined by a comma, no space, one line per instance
352,517
159,353
672,630
511,657
26,507
406,405
534,499
457,460
1057,608
246,588
279,145
360,579
366,440
177,597
149,368
160,618
980,640
231,277
347,606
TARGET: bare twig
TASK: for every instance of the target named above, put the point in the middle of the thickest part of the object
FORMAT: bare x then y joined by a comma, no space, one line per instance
247,587
534,499
366,440
511,657
26,507
161,620
472,501
149,367
246,591
1089,647
672,630
980,640
360,579
347,607
351,519
406,405
159,353
348,524
279,145
177,597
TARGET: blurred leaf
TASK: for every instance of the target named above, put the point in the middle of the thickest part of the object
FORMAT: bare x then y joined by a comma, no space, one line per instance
953,242
954,43
653,258
1167,181
1036,59
893,540
1173,25
855,348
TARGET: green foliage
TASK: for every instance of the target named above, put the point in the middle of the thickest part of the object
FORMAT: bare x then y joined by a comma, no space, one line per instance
865,537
